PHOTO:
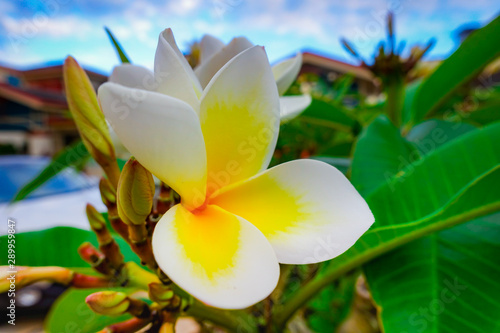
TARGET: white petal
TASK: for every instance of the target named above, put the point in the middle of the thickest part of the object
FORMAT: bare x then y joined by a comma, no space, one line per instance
292,106
164,135
173,74
209,46
286,72
133,76
219,258
307,209
239,117
207,70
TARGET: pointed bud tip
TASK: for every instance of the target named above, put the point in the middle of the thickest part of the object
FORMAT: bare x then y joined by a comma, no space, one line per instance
95,218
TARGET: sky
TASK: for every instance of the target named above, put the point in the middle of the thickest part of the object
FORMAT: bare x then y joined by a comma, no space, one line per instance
33,32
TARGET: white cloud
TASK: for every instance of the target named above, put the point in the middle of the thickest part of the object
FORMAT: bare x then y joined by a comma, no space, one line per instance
42,25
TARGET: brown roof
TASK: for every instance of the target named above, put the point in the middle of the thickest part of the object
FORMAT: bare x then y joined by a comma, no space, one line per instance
336,65
55,71
34,98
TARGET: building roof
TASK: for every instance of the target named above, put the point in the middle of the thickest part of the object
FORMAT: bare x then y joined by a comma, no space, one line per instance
30,94
34,98
336,65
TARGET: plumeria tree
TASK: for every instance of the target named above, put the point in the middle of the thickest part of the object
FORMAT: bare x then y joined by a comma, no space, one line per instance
242,247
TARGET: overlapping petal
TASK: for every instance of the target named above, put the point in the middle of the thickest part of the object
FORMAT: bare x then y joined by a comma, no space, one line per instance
292,106
209,45
307,209
208,69
217,257
286,71
173,75
239,118
133,76
164,135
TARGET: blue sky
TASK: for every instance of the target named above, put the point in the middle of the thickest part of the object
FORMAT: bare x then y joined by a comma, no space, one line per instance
38,31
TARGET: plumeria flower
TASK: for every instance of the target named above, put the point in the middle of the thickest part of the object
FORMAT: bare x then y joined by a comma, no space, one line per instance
236,221
214,54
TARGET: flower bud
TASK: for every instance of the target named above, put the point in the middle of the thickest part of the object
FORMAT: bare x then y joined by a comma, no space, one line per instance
135,194
110,303
95,218
89,119
160,293
108,194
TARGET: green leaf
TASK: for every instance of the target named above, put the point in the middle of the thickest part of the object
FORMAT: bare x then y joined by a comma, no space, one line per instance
121,53
449,186
445,282
477,51
331,305
433,133
380,153
70,156
341,87
56,247
325,114
70,313
487,113
417,285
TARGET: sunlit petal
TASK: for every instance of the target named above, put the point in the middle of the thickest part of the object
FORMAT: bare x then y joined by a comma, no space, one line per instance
307,209
173,75
207,70
292,106
219,258
164,135
240,119
286,72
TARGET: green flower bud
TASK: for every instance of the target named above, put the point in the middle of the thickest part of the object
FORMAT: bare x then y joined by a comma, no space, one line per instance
160,293
135,194
89,119
96,219
108,193
110,303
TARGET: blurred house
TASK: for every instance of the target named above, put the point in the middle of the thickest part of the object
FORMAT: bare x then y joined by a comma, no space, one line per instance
34,115
330,69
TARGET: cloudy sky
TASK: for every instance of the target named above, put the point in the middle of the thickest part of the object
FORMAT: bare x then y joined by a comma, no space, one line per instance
33,32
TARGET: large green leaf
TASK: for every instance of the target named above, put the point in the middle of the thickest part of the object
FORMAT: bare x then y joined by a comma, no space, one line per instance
325,114
380,153
70,156
424,285
445,282
55,247
449,186
434,133
485,114
477,51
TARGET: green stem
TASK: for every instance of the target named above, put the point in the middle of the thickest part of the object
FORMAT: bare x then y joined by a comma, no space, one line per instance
234,321
307,292
394,88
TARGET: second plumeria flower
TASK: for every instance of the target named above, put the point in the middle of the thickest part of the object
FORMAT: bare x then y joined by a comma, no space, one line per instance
236,221
174,76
